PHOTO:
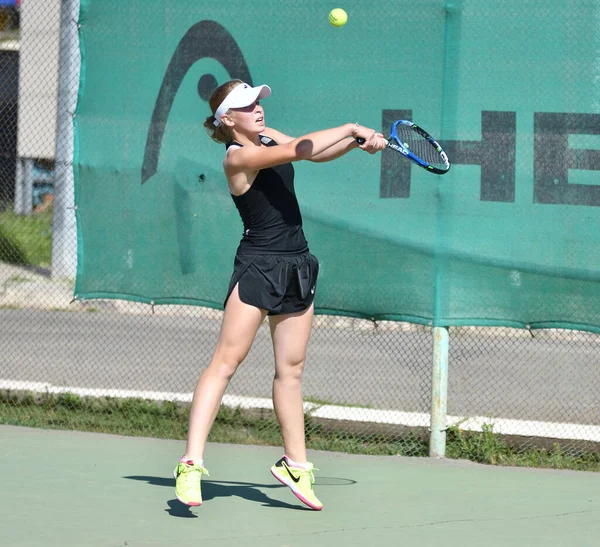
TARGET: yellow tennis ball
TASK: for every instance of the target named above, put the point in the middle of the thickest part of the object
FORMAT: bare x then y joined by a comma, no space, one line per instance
338,17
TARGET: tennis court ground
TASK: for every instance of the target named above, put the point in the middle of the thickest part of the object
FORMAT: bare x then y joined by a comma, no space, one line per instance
63,488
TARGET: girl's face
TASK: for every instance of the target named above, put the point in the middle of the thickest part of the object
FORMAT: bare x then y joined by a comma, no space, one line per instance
249,119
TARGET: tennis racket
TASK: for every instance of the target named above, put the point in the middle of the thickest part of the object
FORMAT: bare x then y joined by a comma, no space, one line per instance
417,145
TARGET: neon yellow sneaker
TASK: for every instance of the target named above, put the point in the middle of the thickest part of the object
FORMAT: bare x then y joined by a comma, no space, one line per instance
300,480
187,482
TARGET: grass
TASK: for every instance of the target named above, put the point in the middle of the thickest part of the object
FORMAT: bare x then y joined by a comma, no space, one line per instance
326,402
167,420
487,447
26,240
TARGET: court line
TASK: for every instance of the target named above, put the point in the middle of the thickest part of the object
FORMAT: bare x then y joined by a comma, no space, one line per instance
502,426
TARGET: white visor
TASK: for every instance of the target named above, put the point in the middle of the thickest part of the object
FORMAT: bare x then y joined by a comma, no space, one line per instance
240,96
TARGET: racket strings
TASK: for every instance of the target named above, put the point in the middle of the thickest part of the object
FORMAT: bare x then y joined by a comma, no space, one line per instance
420,146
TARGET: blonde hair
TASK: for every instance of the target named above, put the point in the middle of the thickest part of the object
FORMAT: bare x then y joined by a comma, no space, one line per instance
219,133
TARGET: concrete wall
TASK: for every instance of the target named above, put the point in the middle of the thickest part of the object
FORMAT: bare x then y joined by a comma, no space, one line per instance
38,78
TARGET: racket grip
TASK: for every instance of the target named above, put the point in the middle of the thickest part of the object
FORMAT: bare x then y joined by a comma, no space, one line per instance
359,140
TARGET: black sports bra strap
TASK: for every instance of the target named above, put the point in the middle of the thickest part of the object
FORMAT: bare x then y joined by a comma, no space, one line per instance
267,141
231,143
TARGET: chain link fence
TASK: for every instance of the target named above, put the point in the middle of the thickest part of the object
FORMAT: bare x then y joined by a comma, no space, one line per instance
131,368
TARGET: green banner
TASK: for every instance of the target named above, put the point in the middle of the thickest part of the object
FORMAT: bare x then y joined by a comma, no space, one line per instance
510,236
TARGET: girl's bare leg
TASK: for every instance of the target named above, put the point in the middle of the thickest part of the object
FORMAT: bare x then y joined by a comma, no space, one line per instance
290,334
240,323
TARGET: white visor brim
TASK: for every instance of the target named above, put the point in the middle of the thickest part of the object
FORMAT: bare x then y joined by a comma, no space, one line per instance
239,97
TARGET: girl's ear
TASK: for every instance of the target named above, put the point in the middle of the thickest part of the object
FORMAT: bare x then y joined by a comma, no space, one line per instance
227,120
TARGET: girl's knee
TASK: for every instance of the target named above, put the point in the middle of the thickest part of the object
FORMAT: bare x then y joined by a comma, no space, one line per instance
289,371
224,367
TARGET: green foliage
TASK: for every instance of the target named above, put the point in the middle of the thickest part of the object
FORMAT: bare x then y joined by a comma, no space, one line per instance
169,420
104,415
487,447
26,240
484,447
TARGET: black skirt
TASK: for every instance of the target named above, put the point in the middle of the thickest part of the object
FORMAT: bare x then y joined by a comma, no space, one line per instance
277,283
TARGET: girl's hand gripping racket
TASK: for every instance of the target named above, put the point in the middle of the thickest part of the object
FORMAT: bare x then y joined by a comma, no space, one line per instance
417,145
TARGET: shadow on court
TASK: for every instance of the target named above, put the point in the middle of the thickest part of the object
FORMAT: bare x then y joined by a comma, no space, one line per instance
222,489
63,488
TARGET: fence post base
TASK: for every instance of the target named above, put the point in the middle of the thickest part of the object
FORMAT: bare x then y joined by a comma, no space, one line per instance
439,393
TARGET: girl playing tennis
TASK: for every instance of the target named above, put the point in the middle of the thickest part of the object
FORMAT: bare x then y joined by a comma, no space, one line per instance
274,275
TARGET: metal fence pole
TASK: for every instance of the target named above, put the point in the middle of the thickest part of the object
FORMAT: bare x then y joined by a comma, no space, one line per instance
439,393
450,85
64,226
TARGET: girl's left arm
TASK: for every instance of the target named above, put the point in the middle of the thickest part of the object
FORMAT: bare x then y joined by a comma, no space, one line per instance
333,152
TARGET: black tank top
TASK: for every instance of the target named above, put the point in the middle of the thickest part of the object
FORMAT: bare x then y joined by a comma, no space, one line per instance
270,211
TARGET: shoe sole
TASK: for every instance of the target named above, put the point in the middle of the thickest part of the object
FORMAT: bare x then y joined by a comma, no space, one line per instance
190,503
292,486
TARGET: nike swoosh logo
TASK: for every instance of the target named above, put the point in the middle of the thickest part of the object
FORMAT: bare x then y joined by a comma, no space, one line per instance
294,478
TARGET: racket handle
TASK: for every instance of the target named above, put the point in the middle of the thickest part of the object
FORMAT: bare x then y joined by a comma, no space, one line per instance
361,141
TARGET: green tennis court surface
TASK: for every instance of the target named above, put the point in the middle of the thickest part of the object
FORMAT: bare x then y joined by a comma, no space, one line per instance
82,489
